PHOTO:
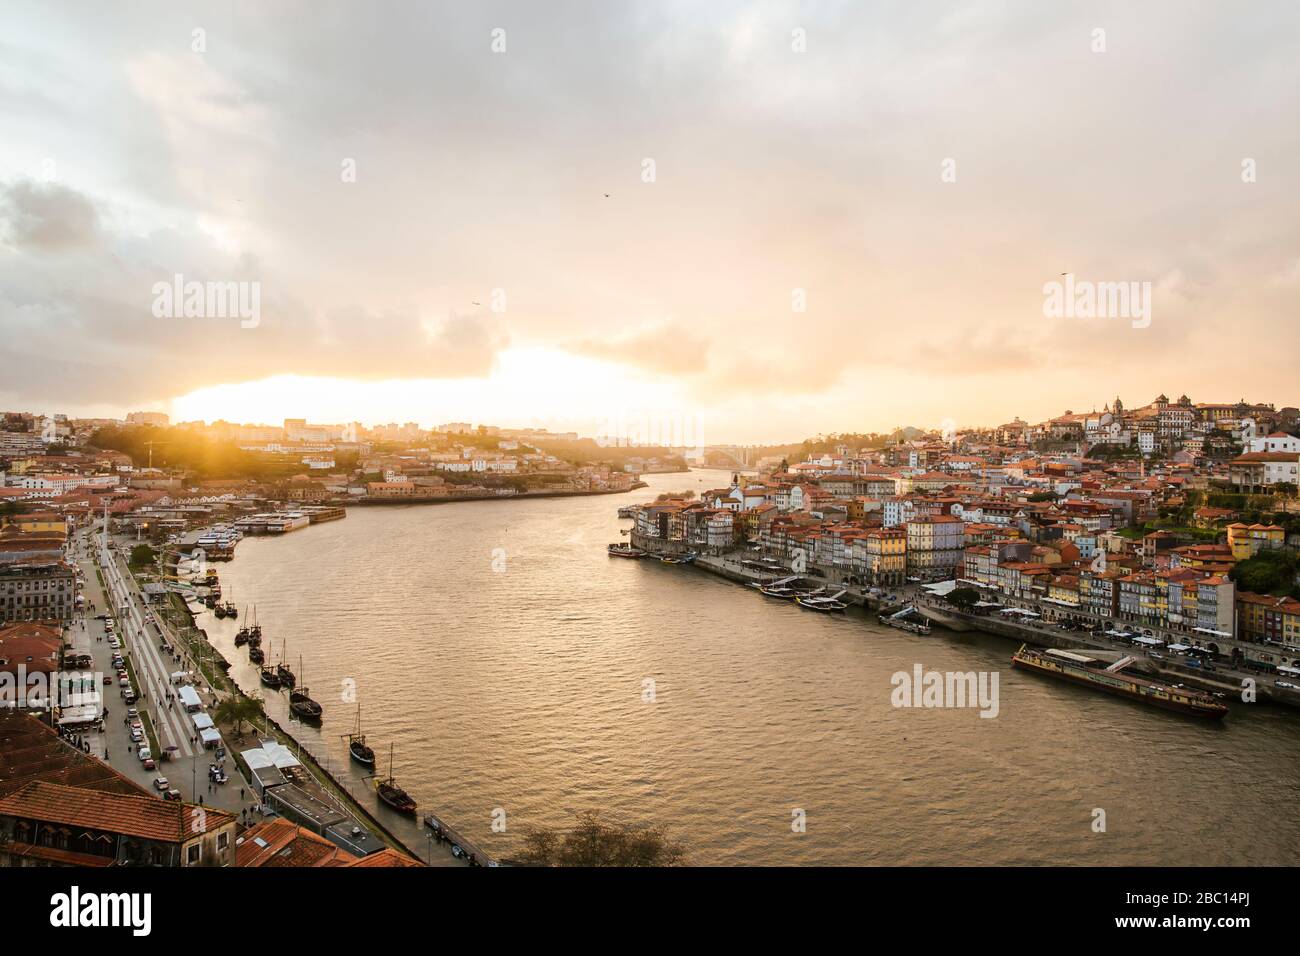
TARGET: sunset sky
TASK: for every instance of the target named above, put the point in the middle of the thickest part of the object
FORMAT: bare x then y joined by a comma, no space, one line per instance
127,157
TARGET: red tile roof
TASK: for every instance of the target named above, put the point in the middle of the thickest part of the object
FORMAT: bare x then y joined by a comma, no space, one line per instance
141,816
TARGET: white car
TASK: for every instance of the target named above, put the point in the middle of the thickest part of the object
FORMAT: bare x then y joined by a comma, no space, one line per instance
161,785
144,753
137,735
1282,683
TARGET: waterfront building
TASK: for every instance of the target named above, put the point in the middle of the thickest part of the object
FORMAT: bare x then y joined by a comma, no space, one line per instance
1099,593
390,489
46,824
934,546
1267,618
37,591
278,842
62,807
1064,590
883,556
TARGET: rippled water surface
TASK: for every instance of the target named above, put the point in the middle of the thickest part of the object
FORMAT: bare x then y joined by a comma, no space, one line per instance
522,689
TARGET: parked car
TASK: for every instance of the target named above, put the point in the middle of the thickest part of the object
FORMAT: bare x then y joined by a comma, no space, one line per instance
161,784
132,713
149,764
1282,683
172,795
144,753
137,735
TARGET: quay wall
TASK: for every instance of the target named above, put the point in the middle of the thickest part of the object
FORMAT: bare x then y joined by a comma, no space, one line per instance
726,566
342,793
450,499
1226,679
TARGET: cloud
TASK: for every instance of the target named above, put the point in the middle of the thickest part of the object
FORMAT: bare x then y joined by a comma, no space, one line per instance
46,218
776,170
667,348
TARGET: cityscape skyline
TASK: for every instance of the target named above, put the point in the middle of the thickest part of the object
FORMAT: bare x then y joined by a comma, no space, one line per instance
634,426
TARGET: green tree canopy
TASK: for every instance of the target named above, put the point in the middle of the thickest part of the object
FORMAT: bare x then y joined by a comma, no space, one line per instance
963,598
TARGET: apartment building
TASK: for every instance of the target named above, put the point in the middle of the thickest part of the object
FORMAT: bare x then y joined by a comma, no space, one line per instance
37,592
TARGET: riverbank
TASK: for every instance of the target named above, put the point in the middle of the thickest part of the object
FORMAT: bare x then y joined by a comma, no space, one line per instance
1223,679
452,499
214,667
732,566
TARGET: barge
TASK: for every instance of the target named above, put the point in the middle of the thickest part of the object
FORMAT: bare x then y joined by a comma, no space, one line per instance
1081,669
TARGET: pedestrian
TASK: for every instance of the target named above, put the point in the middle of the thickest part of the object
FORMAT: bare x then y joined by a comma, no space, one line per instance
241,793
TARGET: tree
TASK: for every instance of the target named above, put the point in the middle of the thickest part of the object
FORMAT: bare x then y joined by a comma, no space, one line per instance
595,843
236,709
963,598
1269,572
141,557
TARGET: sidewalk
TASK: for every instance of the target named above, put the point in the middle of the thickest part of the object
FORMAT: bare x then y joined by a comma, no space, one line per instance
189,772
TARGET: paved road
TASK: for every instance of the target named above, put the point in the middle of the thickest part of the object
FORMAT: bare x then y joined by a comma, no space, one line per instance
189,772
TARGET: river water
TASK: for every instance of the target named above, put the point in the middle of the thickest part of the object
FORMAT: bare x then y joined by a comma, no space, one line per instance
506,659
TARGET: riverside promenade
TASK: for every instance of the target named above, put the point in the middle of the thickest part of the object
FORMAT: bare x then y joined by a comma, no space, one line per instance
740,567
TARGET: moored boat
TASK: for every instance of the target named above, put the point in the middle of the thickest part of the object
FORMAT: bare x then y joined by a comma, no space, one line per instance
687,558
908,619
1079,668
303,707
269,677
357,748
387,790
824,604
624,550
256,654
300,703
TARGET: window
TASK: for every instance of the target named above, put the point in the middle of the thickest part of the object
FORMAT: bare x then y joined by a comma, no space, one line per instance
192,854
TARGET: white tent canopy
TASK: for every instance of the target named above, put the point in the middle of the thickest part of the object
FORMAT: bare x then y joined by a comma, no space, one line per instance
202,722
210,736
190,697
270,754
